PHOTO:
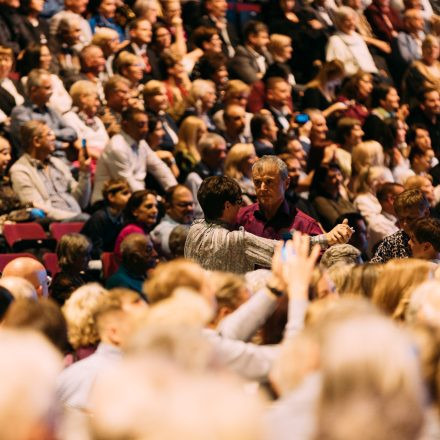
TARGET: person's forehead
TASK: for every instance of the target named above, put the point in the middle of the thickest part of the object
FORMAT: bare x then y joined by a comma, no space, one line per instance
266,170
182,193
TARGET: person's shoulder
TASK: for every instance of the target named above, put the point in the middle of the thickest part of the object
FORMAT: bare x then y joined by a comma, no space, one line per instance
246,211
303,216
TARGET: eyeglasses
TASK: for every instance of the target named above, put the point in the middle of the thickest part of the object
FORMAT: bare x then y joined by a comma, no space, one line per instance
184,204
239,201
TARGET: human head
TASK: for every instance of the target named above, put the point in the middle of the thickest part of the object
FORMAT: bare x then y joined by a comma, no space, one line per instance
349,132
277,92
85,96
107,39
345,19
359,87
5,154
217,8
177,240
413,20
39,86
18,287
92,60
430,102
6,61
430,49
263,127
171,64
212,149
425,238
386,194
142,208
28,398
207,39
236,92
409,206
116,91
79,312
116,193
418,135
190,132
220,197
331,73
212,66
135,123
372,177
386,96
155,96
340,253
38,139
295,148
138,255
234,117
293,167
139,31
280,46
69,30
240,160
130,66
318,133
171,10
35,56
73,252
180,204
31,270
424,184
106,8
421,160
367,154
162,37
327,180
149,9
202,95
256,35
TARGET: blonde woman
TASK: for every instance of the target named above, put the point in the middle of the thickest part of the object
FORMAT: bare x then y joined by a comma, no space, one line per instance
79,310
238,166
200,100
131,66
186,151
397,282
83,117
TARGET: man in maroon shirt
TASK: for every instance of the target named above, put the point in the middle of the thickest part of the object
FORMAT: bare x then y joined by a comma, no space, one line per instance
273,216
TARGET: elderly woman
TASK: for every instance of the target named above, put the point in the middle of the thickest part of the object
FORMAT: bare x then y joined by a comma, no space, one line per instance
131,66
9,95
348,46
238,166
108,40
84,120
425,72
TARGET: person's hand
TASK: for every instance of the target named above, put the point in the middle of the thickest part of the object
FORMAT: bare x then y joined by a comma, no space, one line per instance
337,107
176,21
329,153
397,157
340,234
315,24
84,164
166,156
294,265
403,112
305,129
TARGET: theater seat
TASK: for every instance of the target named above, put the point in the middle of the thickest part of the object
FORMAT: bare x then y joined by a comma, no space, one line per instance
59,229
22,236
110,264
50,261
6,258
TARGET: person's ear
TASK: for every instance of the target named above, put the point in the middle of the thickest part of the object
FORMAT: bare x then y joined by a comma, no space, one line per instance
287,183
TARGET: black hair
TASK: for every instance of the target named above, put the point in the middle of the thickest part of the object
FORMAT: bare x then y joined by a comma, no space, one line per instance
427,230
135,200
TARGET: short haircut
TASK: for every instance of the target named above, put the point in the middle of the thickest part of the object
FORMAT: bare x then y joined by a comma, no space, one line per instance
258,121
208,141
133,24
152,88
203,34
271,161
34,79
427,230
386,189
169,195
273,81
410,199
344,127
129,113
29,130
380,92
70,248
254,27
415,152
113,186
131,247
210,63
136,200
112,84
421,96
412,132
81,88
125,59
214,192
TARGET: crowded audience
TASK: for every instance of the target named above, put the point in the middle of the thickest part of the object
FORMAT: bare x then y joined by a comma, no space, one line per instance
220,221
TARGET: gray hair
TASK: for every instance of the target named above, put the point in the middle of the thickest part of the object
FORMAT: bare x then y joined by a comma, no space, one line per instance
208,141
34,78
274,162
424,304
341,13
340,253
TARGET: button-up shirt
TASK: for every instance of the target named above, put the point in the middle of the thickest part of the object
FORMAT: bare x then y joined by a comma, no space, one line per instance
286,220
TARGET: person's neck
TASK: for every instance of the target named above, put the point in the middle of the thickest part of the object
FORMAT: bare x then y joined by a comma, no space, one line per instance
431,116
254,48
39,104
271,210
114,211
39,155
265,141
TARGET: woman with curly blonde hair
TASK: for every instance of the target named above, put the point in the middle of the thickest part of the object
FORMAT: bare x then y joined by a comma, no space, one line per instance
79,312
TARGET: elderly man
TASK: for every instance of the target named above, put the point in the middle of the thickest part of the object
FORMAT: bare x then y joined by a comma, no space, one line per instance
45,181
39,88
273,216
179,211
128,156
31,270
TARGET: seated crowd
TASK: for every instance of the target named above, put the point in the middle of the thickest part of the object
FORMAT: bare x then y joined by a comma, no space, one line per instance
252,210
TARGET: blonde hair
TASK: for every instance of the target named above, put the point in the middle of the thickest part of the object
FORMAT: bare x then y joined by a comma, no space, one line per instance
152,88
235,87
82,88
227,287
368,180
367,154
171,275
416,182
188,136
102,36
79,311
429,41
235,157
125,59
276,44
199,88
398,280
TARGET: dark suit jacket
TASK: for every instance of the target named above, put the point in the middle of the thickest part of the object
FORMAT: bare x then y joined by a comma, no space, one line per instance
152,58
230,28
244,65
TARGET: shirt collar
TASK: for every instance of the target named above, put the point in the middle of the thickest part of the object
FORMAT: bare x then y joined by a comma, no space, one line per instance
285,210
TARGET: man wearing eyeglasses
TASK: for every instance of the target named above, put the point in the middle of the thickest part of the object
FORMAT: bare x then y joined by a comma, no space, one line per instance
179,211
128,156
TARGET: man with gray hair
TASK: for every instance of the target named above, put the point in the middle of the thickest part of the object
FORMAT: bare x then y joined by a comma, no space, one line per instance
273,216
213,151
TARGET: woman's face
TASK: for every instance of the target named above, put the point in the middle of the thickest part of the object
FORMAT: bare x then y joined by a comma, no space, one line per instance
348,24
208,99
365,86
431,53
147,211
134,72
246,165
176,70
214,44
163,37
221,77
5,154
107,8
45,58
156,135
89,103
356,134
36,5
5,66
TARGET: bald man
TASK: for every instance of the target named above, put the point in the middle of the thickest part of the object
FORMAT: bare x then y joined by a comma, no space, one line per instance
31,270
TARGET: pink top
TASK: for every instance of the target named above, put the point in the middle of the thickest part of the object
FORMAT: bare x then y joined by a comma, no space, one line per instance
132,228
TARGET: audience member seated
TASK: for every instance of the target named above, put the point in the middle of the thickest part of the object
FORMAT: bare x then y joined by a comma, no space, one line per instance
409,206
46,181
104,225
140,216
128,156
252,59
264,133
409,41
31,270
384,20
138,257
39,88
179,211
103,15
425,239
234,120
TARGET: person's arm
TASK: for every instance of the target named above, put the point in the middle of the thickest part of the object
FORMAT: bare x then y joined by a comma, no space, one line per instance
82,189
63,132
259,250
244,69
159,169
